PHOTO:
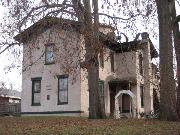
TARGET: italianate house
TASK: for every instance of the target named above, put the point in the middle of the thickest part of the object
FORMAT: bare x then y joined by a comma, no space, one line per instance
54,83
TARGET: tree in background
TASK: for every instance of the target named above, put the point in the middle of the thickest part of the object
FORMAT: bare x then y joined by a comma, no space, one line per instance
167,82
176,37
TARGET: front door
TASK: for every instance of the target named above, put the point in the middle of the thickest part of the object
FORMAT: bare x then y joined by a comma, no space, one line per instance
112,88
125,103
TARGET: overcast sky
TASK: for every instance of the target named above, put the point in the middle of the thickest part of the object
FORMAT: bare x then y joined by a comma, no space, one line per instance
14,76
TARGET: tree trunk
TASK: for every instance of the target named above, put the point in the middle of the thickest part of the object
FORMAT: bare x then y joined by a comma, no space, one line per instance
91,40
176,34
97,46
167,86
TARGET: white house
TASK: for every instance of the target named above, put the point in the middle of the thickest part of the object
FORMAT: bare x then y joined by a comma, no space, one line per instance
53,82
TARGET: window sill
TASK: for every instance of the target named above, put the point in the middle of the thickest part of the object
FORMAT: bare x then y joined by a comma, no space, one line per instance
49,63
63,103
36,104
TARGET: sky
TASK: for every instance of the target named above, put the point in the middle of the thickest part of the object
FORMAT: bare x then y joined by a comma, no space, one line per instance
14,77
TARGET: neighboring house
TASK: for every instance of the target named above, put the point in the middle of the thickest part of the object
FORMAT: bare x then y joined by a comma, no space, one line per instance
9,101
9,92
54,83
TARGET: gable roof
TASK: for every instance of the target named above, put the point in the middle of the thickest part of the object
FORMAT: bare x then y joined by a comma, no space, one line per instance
46,23
71,25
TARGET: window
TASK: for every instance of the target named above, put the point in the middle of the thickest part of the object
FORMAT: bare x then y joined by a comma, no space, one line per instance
49,54
101,90
101,87
36,91
101,59
112,61
142,95
63,89
141,63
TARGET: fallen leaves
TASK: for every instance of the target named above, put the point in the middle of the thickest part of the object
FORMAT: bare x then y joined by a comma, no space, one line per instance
82,126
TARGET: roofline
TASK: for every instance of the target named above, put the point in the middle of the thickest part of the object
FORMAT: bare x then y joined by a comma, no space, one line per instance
12,97
130,46
44,24
48,22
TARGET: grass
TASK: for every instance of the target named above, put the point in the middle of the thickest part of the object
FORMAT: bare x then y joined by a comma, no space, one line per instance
83,126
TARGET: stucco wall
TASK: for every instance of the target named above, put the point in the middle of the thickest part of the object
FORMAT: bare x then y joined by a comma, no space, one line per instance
126,65
105,75
146,79
65,59
69,49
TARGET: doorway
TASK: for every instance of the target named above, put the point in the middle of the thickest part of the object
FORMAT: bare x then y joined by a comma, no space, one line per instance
126,103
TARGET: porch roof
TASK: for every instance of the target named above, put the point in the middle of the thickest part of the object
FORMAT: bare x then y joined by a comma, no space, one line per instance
131,81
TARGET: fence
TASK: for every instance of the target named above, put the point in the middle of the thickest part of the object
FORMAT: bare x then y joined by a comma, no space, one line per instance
10,108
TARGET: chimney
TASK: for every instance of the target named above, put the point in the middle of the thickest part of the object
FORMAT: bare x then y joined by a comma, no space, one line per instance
144,36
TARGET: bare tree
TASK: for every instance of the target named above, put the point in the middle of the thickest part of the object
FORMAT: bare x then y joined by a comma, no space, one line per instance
176,37
167,82
24,12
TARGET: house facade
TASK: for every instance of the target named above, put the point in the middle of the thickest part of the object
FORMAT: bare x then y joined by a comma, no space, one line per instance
53,82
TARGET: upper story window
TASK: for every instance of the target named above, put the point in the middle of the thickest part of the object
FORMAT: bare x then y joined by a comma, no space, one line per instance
63,89
112,61
141,63
142,95
49,54
36,91
101,59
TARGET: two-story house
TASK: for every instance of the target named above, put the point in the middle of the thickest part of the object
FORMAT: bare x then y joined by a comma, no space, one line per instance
53,81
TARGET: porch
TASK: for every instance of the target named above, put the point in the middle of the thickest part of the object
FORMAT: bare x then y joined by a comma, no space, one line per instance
122,98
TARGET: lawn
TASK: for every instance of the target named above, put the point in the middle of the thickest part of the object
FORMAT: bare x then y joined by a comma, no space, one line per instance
83,126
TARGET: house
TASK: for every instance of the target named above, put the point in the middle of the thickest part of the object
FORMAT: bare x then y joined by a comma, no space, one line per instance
9,101
53,82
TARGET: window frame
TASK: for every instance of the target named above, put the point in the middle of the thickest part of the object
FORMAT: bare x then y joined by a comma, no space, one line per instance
112,61
37,79
101,59
140,56
101,85
142,95
62,77
46,46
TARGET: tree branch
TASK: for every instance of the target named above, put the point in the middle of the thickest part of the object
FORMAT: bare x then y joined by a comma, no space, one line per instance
47,6
120,18
9,45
